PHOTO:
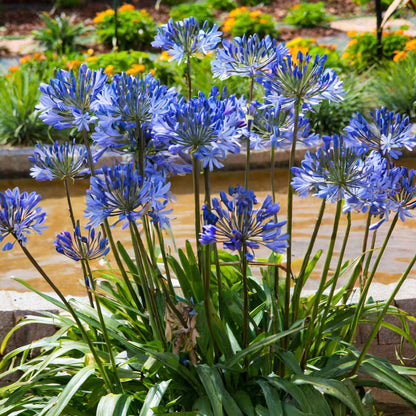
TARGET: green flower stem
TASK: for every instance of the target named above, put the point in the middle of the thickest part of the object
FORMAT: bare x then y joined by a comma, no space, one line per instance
300,281
89,154
188,76
140,149
106,229
380,318
286,316
147,290
244,265
364,292
321,287
104,328
334,282
195,176
272,157
70,309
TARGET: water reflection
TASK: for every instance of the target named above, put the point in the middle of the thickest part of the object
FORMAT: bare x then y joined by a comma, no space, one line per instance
66,273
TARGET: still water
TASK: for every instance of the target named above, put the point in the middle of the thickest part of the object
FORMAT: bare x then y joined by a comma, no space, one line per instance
66,273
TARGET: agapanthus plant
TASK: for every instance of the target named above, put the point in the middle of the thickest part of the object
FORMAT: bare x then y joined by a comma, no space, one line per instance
65,161
206,128
81,247
66,101
121,192
19,216
235,223
186,38
387,132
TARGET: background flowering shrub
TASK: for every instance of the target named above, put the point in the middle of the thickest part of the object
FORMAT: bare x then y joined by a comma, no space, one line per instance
135,28
201,11
307,14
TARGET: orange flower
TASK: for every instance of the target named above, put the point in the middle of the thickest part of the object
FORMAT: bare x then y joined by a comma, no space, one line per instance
101,16
38,56
13,68
152,71
352,33
398,55
25,59
126,7
263,20
74,64
255,13
352,42
296,6
109,70
399,32
136,69
164,56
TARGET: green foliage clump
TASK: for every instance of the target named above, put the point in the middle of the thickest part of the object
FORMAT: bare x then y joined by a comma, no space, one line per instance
226,5
135,28
241,21
201,11
362,50
19,121
307,14
394,85
61,34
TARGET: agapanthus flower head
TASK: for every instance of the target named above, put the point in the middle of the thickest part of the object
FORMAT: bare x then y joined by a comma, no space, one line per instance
129,103
387,133
333,172
234,222
121,192
272,126
66,101
67,160
205,128
19,216
185,38
79,247
304,80
246,57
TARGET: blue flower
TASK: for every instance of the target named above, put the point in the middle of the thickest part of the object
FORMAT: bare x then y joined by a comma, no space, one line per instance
273,126
185,38
67,100
246,57
19,215
236,223
387,133
81,247
129,103
60,161
205,128
121,192
303,80
333,172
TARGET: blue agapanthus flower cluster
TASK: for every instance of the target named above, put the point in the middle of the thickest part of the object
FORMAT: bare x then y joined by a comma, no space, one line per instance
56,161
127,104
236,223
304,80
273,125
121,192
185,38
387,133
19,216
333,172
246,57
81,247
204,127
67,100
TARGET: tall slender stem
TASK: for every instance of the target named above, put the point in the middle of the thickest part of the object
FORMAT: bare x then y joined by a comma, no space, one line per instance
244,264
290,216
249,123
188,76
89,154
195,176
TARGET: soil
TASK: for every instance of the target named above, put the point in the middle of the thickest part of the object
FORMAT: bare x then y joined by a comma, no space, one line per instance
20,17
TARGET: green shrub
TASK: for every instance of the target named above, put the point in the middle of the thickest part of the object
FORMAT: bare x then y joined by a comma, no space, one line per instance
394,85
253,2
226,5
242,21
61,34
135,28
362,51
19,121
201,11
307,14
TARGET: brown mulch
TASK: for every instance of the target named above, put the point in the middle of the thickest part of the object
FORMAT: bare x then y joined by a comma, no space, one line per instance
20,17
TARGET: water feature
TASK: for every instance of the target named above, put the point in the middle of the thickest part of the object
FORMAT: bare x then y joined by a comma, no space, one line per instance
66,273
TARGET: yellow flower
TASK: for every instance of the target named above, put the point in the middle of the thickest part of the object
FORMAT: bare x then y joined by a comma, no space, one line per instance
74,64
109,70
294,52
39,56
25,59
236,12
164,56
399,32
352,33
345,55
296,6
91,59
125,7
263,20
136,69
13,68
398,55
152,71
410,45
352,42
101,16
255,13
294,42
